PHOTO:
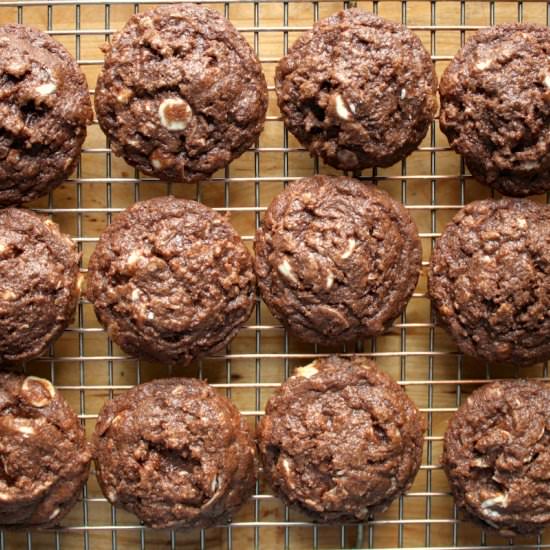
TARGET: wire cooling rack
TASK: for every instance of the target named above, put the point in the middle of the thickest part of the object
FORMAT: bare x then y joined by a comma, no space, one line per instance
432,183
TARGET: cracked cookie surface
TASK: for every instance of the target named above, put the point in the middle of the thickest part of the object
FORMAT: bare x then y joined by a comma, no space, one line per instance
340,439
44,110
171,280
39,284
181,93
336,259
175,453
495,107
44,456
489,280
497,456
357,90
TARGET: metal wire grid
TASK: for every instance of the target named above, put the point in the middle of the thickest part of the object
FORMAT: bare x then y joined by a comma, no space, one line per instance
398,529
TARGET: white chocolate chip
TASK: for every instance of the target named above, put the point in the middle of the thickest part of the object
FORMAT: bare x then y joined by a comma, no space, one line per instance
134,257
216,484
55,513
482,65
522,222
174,113
403,93
307,371
16,68
500,500
286,466
529,165
22,426
135,294
349,249
3,247
46,89
330,280
7,295
25,430
286,271
480,463
38,401
156,164
547,80
492,514
150,315
341,109
124,96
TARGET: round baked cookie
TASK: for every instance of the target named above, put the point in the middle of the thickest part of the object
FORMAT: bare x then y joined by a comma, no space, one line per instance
44,110
357,90
495,107
489,280
497,456
175,453
336,259
171,280
181,93
44,455
39,284
340,440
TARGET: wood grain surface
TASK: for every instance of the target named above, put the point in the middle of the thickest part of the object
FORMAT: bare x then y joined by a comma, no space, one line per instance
431,182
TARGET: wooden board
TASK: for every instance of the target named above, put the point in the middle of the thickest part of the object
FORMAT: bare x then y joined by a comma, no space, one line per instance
431,182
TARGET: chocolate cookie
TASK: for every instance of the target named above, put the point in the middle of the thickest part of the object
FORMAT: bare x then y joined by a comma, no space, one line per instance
44,456
181,93
489,280
175,453
495,107
171,280
336,259
357,90
44,110
340,439
39,284
497,456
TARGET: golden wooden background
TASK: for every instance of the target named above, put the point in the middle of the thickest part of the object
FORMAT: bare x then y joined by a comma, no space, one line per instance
431,182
